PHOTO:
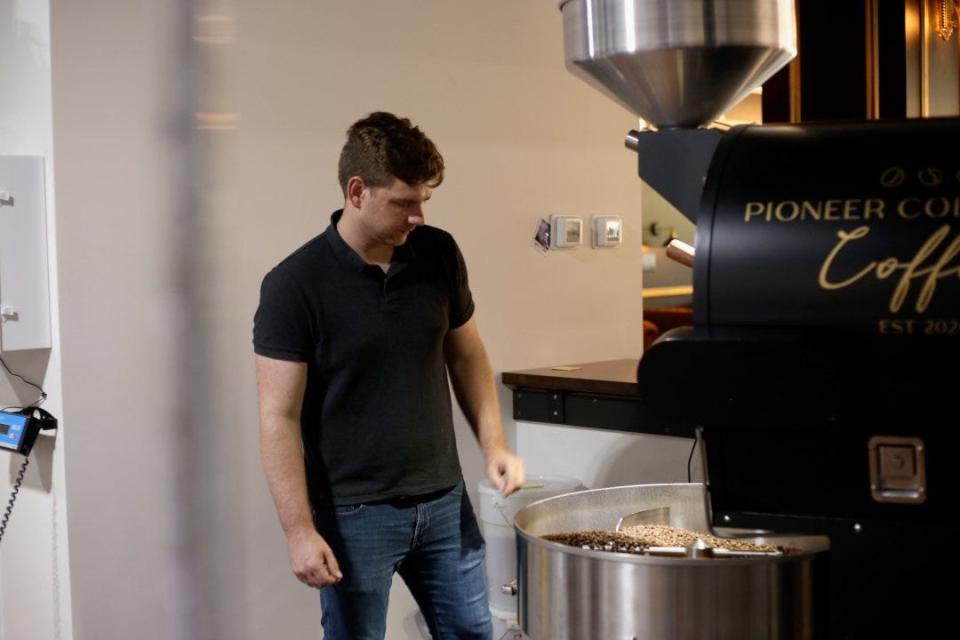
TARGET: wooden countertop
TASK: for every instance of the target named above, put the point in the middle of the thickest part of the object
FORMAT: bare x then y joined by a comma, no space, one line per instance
614,377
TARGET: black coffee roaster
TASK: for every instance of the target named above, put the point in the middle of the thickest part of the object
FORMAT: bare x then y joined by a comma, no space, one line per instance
821,369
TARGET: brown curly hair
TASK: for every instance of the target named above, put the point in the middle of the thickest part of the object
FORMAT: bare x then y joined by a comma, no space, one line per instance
382,147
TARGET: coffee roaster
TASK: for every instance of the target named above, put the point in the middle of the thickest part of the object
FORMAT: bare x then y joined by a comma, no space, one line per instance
820,368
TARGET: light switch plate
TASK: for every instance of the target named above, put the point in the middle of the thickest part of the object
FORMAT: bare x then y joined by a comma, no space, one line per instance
607,231
566,232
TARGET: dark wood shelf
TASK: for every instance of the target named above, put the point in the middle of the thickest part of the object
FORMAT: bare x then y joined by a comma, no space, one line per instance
601,395
614,377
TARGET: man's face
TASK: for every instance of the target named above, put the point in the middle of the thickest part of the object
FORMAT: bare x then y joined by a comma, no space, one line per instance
388,214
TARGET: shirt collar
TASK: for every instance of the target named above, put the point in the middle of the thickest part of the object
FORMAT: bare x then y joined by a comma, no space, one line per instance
341,250
348,257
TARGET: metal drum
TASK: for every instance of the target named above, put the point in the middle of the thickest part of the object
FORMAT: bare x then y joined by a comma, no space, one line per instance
568,593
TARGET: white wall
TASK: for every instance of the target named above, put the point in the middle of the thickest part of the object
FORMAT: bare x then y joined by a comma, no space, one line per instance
34,561
605,458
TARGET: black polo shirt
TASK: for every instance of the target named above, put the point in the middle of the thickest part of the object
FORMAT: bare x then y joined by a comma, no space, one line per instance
377,420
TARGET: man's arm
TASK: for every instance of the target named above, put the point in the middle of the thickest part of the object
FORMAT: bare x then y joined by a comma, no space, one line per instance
280,386
473,384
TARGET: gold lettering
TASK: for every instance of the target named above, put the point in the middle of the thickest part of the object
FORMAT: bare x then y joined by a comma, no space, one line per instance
753,209
834,210
901,209
911,270
830,213
793,213
812,208
940,212
874,207
851,209
889,326
845,237
938,271
886,268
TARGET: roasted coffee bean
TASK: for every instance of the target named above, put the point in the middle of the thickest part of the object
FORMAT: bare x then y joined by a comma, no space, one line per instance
637,539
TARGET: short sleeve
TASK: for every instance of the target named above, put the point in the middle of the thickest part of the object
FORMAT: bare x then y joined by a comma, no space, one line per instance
282,323
461,305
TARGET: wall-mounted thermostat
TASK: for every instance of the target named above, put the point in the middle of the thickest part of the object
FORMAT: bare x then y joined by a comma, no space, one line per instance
566,231
607,231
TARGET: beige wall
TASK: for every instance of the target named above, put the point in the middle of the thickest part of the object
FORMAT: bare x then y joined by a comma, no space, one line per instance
34,559
522,138
171,530
113,69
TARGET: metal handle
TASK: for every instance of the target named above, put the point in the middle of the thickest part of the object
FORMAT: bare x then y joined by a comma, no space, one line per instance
681,252
509,589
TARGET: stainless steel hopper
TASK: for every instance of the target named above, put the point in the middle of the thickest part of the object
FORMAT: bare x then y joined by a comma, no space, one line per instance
678,63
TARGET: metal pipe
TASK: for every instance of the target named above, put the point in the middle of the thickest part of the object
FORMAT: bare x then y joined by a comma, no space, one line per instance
681,252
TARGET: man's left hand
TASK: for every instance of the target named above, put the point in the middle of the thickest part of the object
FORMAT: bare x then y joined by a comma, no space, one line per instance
506,471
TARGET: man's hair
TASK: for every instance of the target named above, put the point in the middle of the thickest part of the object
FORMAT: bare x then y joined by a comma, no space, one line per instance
382,147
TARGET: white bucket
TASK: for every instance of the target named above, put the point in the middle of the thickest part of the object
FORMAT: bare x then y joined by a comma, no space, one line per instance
496,520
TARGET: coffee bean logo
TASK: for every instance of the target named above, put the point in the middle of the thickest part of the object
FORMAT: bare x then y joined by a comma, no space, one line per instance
894,177
931,176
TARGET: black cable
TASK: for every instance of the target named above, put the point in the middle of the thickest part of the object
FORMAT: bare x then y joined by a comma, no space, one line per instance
43,394
13,495
696,439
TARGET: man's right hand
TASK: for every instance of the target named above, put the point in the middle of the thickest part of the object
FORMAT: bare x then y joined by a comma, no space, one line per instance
312,559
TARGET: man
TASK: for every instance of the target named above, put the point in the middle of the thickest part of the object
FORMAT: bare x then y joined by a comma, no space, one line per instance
355,335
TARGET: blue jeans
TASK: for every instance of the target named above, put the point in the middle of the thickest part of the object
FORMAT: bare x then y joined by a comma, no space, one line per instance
432,541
